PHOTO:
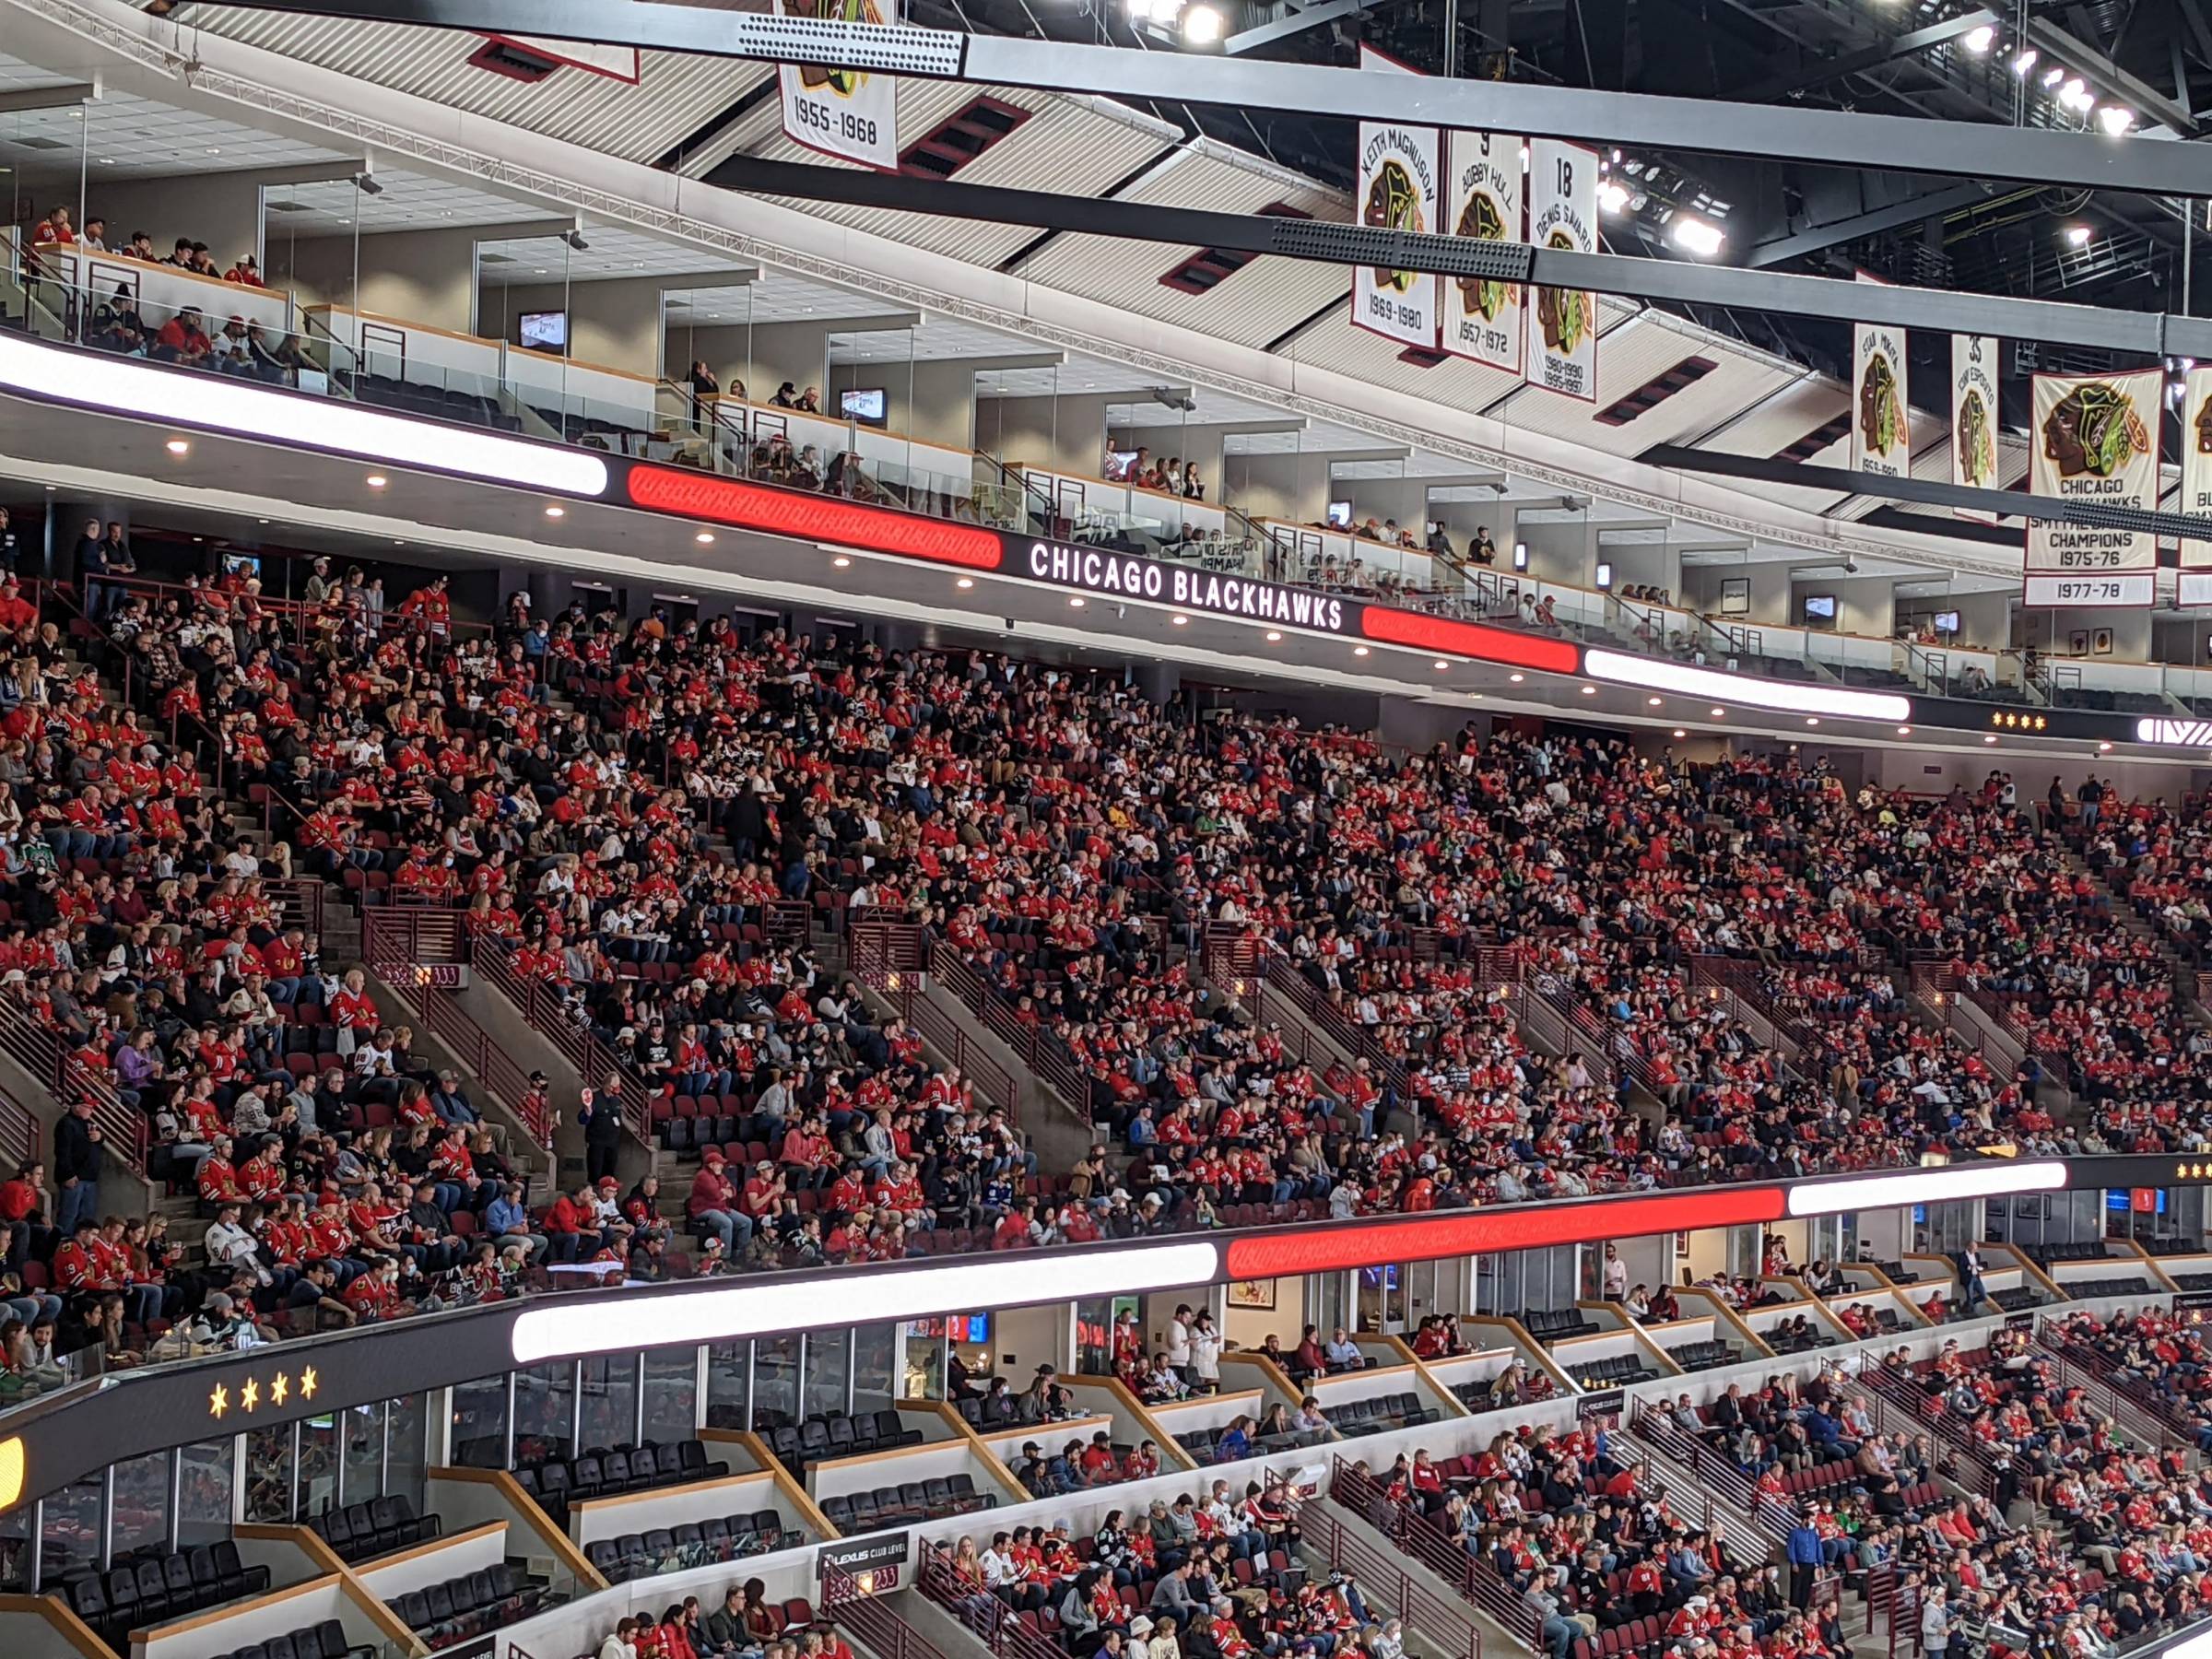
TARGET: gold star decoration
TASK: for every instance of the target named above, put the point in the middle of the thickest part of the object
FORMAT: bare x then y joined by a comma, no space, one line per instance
219,1401
249,1396
277,1390
307,1384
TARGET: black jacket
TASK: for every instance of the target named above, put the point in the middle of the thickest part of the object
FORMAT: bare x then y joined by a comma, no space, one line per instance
76,1153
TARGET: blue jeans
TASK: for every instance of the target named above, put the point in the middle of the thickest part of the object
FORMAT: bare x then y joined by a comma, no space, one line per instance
78,1202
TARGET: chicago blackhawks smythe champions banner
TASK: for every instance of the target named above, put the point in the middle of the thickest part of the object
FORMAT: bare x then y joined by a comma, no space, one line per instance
2094,441
1400,189
1562,213
849,114
1483,182
2196,484
1974,417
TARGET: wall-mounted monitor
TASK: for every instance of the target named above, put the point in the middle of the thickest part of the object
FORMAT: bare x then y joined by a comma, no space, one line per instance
1820,607
544,331
1340,514
864,403
1946,622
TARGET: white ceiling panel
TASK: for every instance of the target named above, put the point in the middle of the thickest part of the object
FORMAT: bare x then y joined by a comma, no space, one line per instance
609,251
130,137
406,202
1631,355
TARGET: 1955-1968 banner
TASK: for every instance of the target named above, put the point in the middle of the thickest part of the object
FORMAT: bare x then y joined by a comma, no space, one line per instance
849,114
1400,189
2095,441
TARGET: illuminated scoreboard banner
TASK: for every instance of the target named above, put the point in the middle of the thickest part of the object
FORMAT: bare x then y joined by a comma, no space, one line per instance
1122,576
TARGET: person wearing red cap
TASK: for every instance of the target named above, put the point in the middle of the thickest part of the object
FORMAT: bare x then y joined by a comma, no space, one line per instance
16,612
712,1205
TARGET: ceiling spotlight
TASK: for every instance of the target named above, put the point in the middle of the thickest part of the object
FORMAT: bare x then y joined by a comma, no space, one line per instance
1589,691
2115,120
575,241
177,446
1680,733
2055,74
1720,713
1979,40
1273,635
964,583
1442,664
366,183
2073,92
1077,600
376,480
705,538
1612,197
1904,731
2025,62
1359,651
1202,26
2077,236
1516,678
1812,720
557,513
1991,738
1654,702
1695,235
1178,621
2105,748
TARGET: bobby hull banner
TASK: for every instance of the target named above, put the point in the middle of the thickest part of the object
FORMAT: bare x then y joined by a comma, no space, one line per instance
2095,441
1974,417
1399,176
1562,213
1882,432
850,113
2196,484
1482,319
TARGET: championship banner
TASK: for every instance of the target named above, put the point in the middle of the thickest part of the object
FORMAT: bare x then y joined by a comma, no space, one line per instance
1400,177
2196,484
1562,213
1974,418
2095,441
1482,319
1881,431
852,114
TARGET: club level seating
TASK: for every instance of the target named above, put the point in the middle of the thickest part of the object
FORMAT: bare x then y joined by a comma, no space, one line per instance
1356,1418
1202,1444
149,1587
2082,1250
906,1504
722,1538
1703,1355
324,1641
1549,1325
362,1530
2022,1297
2193,1281
1896,1271
1617,1373
2134,1285
603,1474
469,1604
1278,1569
2171,1246
838,1434
1798,1342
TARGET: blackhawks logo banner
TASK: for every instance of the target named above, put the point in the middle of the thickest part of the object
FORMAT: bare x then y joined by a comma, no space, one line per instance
1881,431
1400,172
1974,417
1562,213
850,113
2095,441
2196,484
1482,319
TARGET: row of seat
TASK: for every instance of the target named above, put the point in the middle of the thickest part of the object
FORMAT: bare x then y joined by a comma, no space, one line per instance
149,1587
840,1434
1379,1415
694,1544
1549,1325
324,1641
2133,1284
362,1530
1703,1355
2076,1250
1615,1372
906,1504
2020,1298
559,1482
469,1605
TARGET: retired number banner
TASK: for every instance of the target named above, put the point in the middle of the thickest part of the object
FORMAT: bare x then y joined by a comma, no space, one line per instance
1400,189
2196,485
1881,431
1482,319
2095,441
1974,418
850,113
1562,213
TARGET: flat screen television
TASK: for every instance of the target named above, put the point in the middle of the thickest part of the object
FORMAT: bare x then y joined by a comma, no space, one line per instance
864,403
1340,514
544,331
1946,622
1819,607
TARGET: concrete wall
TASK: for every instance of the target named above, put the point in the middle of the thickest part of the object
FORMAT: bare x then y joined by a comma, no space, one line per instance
427,276
1865,604
2051,631
1290,485
615,323
1066,434
931,402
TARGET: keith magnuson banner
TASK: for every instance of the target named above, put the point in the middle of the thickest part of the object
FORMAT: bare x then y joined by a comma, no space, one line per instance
1974,417
2196,484
1400,179
1482,318
2095,441
850,113
1562,213
1881,431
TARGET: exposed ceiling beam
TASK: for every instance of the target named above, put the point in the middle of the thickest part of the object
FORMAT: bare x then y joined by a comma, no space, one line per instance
1291,23
2152,334
65,97
1871,57
2107,77
1836,137
1913,211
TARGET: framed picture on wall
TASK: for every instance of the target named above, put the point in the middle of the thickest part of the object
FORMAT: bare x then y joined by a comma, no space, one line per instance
2101,643
2077,643
1256,1294
1736,595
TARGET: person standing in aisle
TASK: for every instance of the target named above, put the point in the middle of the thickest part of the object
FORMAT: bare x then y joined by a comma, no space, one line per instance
601,1115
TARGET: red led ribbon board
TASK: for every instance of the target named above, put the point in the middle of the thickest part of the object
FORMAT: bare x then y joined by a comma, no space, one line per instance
1510,1227
815,518
1447,638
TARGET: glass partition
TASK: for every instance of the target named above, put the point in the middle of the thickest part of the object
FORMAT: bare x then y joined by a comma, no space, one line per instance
479,1424
69,1528
545,1400
608,1409
206,1474
141,1512
406,1448
671,1393
269,1468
